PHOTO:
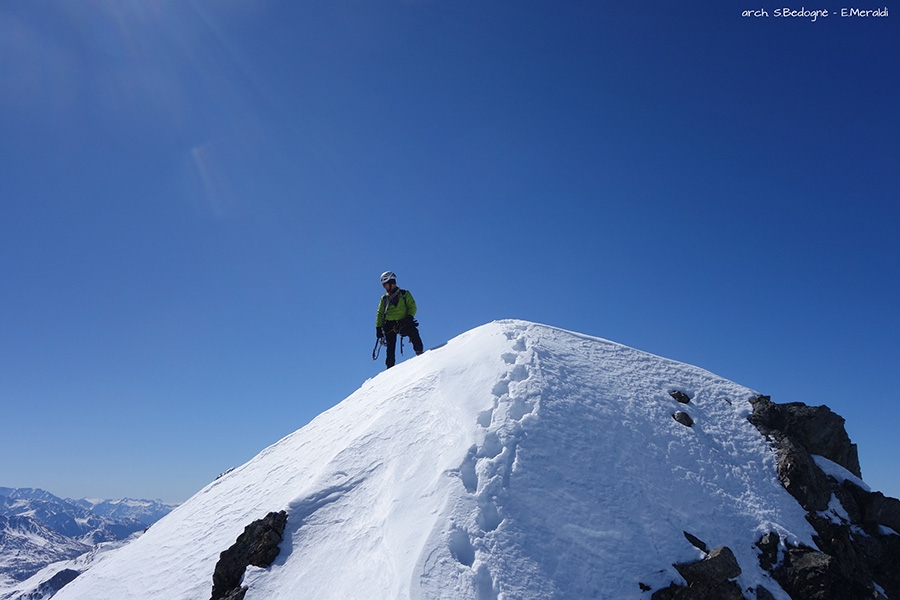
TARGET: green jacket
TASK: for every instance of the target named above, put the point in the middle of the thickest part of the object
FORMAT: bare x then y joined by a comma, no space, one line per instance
401,305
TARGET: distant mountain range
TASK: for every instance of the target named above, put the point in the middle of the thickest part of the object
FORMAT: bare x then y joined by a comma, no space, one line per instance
38,528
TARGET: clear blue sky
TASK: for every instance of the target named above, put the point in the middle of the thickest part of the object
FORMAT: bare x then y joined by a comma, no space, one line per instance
197,198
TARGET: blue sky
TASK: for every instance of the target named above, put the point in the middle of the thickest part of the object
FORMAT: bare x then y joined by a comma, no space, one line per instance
198,198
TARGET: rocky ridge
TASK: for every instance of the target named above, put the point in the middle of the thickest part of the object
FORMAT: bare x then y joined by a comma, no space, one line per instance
858,545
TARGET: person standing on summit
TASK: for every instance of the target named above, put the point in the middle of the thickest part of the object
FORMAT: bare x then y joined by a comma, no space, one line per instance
396,312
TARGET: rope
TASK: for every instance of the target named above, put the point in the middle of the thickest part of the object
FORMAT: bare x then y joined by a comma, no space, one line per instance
377,349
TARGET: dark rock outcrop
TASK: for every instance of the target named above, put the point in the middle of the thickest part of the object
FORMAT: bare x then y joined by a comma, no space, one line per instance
813,428
683,418
797,432
857,549
707,579
680,396
718,566
811,575
723,591
874,507
854,552
696,542
768,545
257,546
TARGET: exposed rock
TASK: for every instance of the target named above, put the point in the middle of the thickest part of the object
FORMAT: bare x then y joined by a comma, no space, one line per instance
836,540
815,428
875,508
708,579
722,591
799,431
666,593
882,555
719,566
801,476
844,566
807,574
848,501
768,545
696,542
858,549
763,594
683,418
853,550
236,594
257,546
680,396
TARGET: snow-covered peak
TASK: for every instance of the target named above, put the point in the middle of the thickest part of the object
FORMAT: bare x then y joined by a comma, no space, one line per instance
515,461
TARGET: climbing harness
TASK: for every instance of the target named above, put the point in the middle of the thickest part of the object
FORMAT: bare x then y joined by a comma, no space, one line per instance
397,327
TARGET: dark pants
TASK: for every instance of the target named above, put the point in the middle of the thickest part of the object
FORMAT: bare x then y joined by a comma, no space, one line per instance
405,329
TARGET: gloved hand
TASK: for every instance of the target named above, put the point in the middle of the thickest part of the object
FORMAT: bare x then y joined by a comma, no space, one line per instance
379,333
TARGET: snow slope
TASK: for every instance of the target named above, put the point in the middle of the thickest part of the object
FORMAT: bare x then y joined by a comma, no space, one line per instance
517,461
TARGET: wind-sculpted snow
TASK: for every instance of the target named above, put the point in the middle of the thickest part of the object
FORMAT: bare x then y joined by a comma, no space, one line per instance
517,461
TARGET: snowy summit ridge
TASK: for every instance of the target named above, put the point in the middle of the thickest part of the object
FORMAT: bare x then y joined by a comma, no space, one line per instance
517,461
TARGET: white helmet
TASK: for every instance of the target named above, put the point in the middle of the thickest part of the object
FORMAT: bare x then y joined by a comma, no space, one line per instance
387,276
